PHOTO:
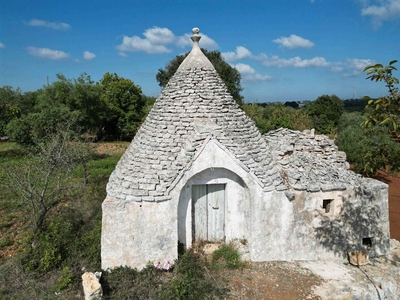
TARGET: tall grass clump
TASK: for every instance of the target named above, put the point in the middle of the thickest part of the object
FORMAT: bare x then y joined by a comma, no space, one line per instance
227,257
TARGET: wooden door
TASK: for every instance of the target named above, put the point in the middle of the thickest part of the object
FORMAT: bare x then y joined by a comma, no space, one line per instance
208,212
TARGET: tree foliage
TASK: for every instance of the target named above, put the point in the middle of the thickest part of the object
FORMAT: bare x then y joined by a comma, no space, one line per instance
10,100
385,110
229,75
325,113
382,122
124,103
351,138
276,115
112,108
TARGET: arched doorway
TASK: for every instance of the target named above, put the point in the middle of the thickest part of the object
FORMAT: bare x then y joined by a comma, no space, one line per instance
214,205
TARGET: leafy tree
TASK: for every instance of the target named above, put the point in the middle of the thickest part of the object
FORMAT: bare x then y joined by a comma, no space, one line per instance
382,123
9,106
229,75
81,96
38,125
125,105
149,100
351,138
277,115
65,99
385,110
256,113
325,113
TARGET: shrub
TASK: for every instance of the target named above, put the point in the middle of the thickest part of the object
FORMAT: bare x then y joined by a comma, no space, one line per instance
127,283
227,256
64,280
190,281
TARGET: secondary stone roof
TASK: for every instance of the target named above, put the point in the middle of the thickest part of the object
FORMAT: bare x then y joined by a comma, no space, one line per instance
310,162
194,107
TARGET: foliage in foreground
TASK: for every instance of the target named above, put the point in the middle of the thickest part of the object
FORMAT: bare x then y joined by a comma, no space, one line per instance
383,121
52,260
42,179
385,110
190,279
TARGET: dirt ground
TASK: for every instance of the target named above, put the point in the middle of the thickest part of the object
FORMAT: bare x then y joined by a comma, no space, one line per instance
272,280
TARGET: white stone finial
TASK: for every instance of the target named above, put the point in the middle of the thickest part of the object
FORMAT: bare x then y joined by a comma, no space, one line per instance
195,37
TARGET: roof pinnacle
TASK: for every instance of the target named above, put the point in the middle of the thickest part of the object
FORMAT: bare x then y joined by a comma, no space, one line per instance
196,58
195,37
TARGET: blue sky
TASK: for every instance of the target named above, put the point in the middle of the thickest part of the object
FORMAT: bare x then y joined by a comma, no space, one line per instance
285,49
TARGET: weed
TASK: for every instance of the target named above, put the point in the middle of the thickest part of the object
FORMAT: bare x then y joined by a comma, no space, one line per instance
64,280
5,242
190,281
127,283
227,256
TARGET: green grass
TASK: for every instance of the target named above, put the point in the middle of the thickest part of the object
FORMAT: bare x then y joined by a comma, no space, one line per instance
10,151
103,166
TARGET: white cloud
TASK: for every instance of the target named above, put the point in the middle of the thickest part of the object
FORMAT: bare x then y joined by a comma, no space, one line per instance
240,53
337,69
359,64
294,62
205,42
137,44
47,53
88,55
249,74
356,66
384,10
157,35
294,41
53,25
155,41
123,54
2,45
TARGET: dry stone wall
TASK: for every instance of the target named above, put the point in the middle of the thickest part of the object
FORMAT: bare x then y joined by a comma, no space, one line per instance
310,162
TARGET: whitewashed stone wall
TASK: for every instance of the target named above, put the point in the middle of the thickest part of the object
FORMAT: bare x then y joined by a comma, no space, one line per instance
299,229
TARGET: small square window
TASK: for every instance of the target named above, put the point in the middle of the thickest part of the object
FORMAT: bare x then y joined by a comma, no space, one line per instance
327,205
367,242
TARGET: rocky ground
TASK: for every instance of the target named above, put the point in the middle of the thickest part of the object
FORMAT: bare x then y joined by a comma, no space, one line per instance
318,280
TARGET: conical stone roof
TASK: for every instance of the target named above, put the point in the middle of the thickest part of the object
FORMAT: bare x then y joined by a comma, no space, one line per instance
192,109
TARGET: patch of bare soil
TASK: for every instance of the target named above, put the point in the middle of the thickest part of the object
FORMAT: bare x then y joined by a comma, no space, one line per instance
272,280
110,148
